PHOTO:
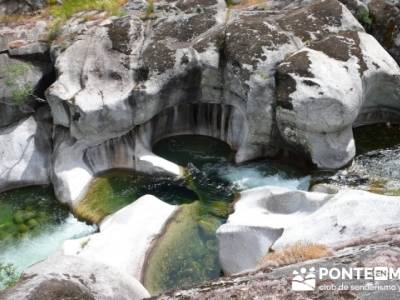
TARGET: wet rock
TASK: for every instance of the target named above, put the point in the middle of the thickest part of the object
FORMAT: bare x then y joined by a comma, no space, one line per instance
126,237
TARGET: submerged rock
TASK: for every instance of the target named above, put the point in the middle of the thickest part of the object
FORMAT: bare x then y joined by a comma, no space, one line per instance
275,218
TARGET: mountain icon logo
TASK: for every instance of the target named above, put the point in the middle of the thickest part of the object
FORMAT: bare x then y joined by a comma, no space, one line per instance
305,280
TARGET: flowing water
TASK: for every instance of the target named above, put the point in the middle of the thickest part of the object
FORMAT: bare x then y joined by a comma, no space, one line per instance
376,167
33,225
188,253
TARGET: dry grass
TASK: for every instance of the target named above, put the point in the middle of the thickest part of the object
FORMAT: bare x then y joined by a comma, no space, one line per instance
247,3
23,19
296,253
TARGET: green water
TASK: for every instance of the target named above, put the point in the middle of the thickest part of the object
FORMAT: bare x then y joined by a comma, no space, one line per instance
33,225
187,253
27,211
115,189
376,137
198,150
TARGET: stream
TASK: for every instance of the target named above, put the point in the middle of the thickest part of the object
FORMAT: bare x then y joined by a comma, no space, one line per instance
376,166
188,252
33,224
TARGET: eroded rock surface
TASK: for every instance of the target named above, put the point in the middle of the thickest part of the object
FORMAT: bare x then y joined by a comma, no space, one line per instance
336,83
126,237
25,149
379,249
275,218
297,76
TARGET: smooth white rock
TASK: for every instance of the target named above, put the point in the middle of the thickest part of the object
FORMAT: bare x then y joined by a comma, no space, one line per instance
125,237
24,154
102,281
278,217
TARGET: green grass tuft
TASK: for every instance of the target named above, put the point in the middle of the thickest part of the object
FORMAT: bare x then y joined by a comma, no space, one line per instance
71,7
61,13
19,92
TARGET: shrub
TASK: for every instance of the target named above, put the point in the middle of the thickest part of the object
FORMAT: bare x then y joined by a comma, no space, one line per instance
364,18
296,253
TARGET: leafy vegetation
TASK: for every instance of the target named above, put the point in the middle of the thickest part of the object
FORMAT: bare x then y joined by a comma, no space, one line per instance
364,18
20,90
70,7
61,13
8,275
149,9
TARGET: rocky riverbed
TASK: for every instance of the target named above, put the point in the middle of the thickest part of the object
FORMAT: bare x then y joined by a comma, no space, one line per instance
154,145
